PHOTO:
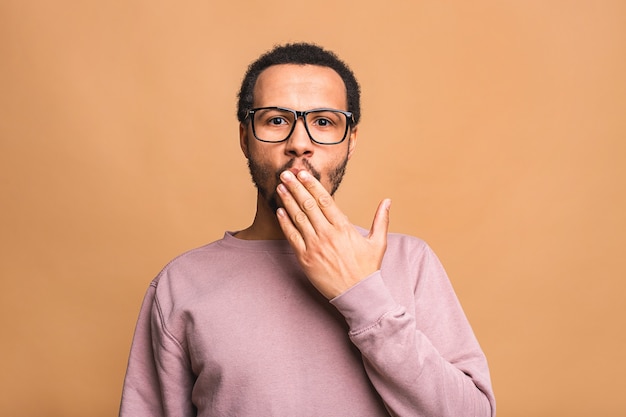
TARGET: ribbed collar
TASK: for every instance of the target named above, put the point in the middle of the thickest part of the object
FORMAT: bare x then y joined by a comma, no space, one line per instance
279,246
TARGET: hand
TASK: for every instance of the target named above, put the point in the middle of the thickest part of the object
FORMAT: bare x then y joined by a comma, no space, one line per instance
333,254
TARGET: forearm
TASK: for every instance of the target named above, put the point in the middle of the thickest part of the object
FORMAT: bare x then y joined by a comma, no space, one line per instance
408,371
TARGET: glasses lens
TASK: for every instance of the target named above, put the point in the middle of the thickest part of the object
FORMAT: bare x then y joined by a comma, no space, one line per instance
327,126
273,125
276,124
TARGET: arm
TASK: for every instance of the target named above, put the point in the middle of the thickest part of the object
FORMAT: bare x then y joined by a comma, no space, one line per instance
413,375
425,361
158,381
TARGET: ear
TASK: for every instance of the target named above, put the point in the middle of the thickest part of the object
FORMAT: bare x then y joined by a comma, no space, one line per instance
243,139
352,141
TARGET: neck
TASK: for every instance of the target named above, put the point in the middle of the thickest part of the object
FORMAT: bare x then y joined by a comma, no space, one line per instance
265,224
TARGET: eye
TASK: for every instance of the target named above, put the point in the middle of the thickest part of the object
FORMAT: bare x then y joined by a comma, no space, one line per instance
277,121
325,119
273,118
321,122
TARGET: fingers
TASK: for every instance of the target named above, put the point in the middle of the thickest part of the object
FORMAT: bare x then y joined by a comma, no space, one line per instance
292,234
380,224
310,212
307,195
298,213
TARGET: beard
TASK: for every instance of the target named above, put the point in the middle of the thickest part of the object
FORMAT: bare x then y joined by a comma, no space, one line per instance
266,180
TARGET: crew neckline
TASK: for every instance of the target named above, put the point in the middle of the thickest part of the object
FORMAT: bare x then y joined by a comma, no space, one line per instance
277,245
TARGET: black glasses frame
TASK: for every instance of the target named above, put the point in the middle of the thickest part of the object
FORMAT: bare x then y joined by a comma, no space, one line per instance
303,114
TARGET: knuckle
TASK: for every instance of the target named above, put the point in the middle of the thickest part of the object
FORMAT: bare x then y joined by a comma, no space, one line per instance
300,217
309,204
294,237
325,201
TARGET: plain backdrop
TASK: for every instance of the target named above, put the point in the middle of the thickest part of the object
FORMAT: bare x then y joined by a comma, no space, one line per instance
498,128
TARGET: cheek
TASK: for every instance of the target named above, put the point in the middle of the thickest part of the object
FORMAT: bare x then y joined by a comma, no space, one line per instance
335,159
333,169
260,154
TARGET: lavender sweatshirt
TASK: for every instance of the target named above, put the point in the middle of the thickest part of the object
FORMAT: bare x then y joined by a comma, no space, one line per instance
234,328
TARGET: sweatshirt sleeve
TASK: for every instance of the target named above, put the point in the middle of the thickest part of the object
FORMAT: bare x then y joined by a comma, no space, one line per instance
158,378
424,361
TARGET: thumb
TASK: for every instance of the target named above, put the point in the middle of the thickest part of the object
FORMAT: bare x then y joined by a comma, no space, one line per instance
380,225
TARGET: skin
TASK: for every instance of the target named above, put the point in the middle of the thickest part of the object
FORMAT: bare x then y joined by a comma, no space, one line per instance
332,253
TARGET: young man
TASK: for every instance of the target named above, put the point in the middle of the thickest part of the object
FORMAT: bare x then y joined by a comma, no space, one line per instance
302,313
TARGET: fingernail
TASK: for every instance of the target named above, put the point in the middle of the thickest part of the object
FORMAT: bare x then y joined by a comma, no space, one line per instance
287,175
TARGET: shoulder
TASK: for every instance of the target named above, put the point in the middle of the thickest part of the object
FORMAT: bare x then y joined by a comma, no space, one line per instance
223,259
197,264
407,249
401,240
192,258
403,245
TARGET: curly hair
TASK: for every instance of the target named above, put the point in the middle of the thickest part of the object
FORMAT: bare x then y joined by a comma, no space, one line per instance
300,54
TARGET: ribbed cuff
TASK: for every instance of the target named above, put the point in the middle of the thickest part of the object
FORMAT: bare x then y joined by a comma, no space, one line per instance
365,303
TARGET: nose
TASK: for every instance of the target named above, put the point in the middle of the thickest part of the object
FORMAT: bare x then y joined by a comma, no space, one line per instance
299,143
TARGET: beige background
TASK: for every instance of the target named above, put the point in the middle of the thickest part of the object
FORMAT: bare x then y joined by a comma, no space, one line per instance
497,127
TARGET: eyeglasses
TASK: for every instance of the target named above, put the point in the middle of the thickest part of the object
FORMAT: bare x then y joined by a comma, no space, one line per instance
276,124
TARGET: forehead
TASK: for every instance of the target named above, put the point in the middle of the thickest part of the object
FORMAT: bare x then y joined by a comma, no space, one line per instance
300,87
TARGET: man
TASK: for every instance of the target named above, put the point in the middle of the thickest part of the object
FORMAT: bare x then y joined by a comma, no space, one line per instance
302,313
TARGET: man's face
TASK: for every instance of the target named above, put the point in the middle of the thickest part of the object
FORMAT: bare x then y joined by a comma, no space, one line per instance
298,87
